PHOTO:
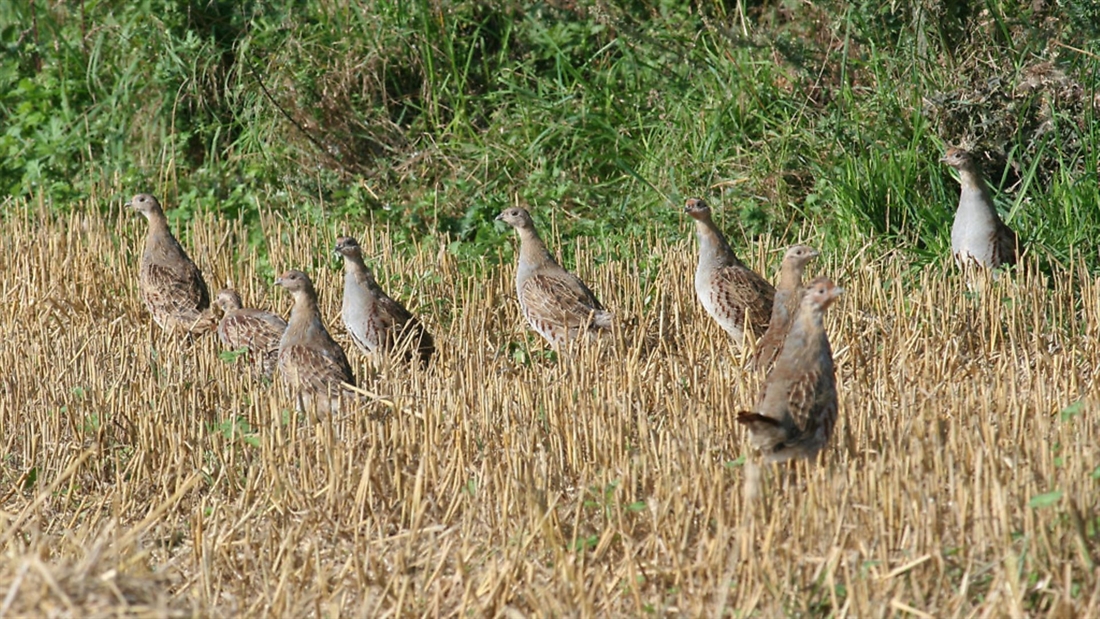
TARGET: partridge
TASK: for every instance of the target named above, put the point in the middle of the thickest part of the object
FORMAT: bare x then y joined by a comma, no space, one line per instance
254,329
554,301
313,366
171,285
797,410
728,290
376,322
978,236
787,297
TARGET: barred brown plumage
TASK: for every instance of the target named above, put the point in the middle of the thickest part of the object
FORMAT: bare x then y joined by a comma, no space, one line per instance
556,303
376,322
171,285
797,409
727,288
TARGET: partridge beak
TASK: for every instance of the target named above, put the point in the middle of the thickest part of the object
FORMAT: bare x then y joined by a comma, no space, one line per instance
278,281
838,291
499,217
943,159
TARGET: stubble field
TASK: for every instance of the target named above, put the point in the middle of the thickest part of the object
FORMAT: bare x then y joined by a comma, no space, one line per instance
143,476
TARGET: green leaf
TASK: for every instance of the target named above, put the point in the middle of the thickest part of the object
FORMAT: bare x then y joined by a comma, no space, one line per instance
636,506
1045,500
31,478
231,356
735,463
1073,410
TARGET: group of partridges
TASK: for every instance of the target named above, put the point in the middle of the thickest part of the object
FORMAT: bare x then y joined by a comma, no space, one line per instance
794,415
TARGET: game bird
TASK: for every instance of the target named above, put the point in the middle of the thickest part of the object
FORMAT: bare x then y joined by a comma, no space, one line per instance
171,285
377,323
554,301
256,330
797,410
978,236
788,295
312,365
728,290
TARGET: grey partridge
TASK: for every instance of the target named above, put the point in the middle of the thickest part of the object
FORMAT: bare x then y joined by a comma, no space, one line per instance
978,236
171,285
376,322
554,301
313,366
797,410
728,290
256,330
787,297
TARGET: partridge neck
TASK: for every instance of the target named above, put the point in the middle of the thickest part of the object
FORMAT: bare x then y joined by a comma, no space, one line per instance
158,223
305,309
531,248
790,277
358,269
712,245
971,179
810,318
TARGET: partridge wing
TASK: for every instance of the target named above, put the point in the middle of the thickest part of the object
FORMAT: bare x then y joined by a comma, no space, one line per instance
811,398
742,290
562,300
1004,245
174,294
315,369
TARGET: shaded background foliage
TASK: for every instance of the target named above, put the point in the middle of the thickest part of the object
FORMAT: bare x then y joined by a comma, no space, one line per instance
601,116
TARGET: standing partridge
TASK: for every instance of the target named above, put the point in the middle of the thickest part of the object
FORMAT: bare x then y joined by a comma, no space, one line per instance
311,363
797,410
978,235
555,302
171,285
728,289
256,330
787,297
375,321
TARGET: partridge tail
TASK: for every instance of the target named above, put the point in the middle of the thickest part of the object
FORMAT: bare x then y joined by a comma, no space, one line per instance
602,319
205,322
767,433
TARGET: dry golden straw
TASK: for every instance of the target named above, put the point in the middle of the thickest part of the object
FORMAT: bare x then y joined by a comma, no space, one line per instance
142,474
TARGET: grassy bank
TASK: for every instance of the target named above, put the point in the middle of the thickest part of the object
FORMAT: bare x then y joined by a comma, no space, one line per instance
433,116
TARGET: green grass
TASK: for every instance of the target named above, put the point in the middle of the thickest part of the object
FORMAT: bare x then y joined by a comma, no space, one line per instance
600,117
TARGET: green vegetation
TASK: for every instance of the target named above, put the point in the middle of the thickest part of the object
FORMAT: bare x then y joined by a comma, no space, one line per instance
438,114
